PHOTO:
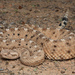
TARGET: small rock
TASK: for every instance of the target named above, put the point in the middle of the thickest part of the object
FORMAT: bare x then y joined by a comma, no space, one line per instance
1,69
4,22
12,23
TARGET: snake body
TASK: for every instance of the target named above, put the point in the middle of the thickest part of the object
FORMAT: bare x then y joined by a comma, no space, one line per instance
32,43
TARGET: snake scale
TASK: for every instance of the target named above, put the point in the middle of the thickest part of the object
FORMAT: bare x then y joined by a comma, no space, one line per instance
31,44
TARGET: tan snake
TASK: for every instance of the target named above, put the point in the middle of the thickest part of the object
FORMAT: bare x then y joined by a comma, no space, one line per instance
32,43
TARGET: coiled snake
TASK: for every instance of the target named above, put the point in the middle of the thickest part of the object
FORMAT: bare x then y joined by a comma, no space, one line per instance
32,43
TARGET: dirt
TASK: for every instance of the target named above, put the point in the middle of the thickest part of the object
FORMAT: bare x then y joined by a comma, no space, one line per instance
45,13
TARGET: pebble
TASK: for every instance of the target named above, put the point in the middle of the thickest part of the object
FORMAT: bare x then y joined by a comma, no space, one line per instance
1,69
4,22
12,23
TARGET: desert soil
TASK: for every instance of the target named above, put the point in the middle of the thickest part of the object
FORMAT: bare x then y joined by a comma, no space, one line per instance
45,13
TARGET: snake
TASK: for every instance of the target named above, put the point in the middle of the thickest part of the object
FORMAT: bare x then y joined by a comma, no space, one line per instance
31,44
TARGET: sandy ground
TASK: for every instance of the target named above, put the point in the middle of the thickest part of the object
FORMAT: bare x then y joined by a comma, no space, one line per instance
45,13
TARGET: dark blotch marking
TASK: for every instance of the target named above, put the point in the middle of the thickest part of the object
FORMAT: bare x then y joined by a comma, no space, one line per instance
19,44
32,36
35,51
47,39
73,72
31,53
7,44
64,18
53,49
55,46
26,44
13,33
19,41
18,34
60,24
26,35
55,41
68,44
40,36
37,38
53,32
30,47
62,72
69,51
63,32
61,57
65,23
41,43
8,34
52,52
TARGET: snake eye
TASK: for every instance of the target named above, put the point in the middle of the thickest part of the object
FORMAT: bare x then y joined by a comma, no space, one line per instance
60,24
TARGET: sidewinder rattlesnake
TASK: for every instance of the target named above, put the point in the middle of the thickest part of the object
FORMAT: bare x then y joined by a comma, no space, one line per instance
32,43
